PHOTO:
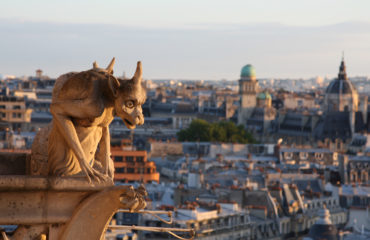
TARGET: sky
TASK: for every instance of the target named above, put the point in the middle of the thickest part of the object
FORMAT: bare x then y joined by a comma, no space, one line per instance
190,39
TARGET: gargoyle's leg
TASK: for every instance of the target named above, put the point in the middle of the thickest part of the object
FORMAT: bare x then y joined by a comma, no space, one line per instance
104,155
69,133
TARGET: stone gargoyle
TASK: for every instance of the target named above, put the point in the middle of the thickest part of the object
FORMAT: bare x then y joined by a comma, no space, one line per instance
83,105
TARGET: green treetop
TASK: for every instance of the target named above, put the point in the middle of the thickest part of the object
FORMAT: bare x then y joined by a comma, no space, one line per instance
201,130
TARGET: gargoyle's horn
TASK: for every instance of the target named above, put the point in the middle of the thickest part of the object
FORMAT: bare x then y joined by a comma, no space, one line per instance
95,65
110,66
139,72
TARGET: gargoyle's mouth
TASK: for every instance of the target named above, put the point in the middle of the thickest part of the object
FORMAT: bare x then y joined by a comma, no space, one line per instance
128,123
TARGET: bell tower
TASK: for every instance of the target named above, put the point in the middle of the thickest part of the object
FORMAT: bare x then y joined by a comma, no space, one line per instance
248,89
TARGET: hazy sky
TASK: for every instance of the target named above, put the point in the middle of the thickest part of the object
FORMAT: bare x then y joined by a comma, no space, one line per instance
203,39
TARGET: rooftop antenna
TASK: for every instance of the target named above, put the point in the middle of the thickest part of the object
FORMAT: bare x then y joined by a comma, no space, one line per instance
342,55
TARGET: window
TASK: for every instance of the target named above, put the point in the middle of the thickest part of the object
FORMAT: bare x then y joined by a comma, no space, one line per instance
303,155
130,159
339,145
118,158
14,115
319,156
2,106
364,176
288,155
139,159
16,107
300,103
120,170
148,170
130,170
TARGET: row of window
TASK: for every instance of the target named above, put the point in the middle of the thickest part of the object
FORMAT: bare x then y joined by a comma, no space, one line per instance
14,107
128,159
135,170
227,221
319,204
359,165
305,155
363,176
249,87
14,115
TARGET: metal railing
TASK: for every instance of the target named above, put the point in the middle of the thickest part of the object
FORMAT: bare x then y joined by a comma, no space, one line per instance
155,229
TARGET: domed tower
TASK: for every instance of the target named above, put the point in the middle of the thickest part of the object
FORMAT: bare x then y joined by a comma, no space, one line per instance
264,100
341,95
248,88
323,229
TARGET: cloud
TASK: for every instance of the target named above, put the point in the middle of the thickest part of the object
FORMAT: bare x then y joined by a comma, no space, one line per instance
197,52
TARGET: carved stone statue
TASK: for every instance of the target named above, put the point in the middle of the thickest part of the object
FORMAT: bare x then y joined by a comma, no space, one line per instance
83,105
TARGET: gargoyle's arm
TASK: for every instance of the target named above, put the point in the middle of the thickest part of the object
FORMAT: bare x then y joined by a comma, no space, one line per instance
63,112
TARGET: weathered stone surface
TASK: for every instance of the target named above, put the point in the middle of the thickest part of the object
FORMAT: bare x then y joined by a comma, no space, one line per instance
34,183
83,105
13,163
39,160
36,200
59,207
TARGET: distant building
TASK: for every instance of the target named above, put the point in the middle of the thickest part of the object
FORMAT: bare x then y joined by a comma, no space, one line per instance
14,112
248,89
221,221
320,156
341,95
255,111
323,229
358,169
342,117
296,101
132,165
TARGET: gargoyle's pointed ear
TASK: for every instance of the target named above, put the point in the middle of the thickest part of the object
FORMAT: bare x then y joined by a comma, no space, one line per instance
114,84
138,74
110,66
95,65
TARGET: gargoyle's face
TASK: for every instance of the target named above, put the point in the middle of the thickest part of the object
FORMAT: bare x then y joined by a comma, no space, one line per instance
128,104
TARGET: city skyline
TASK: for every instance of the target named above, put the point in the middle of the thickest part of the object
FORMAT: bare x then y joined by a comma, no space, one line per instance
289,40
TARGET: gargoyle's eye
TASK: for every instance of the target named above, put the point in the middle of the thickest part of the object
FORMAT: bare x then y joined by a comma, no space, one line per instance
129,104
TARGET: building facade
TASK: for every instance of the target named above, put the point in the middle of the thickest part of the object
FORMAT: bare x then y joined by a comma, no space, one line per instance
132,165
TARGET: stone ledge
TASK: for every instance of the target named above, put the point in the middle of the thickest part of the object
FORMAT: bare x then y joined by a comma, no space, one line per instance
38,183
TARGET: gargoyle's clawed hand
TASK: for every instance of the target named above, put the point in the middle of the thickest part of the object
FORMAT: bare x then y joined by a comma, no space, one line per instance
93,174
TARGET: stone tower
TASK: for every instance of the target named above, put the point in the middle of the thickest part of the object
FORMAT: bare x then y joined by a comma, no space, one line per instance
248,89
341,95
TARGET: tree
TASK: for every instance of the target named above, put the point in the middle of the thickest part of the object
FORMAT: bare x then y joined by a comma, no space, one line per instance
199,130
224,131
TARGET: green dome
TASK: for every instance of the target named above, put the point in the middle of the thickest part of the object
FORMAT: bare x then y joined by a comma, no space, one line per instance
248,71
264,95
